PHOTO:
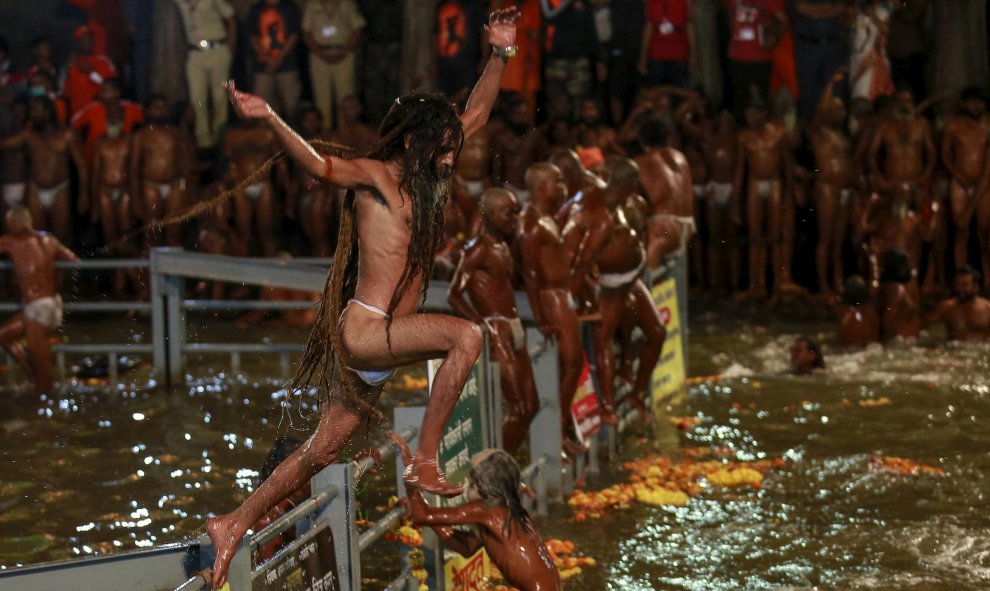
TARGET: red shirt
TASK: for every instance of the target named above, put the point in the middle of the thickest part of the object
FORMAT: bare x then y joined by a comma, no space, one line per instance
94,119
669,19
81,87
748,19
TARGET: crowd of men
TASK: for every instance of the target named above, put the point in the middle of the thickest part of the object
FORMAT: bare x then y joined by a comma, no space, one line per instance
897,189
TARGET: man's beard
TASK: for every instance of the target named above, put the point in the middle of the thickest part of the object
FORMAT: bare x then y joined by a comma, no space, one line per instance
965,298
903,114
975,116
444,173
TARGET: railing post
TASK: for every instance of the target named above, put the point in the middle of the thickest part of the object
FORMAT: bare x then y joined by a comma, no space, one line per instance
544,432
158,336
340,515
168,322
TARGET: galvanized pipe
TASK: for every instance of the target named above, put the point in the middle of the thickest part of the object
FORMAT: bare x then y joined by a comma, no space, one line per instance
385,452
195,583
381,526
289,519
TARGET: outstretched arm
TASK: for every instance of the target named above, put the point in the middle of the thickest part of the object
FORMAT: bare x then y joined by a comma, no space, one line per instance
501,32
342,172
474,253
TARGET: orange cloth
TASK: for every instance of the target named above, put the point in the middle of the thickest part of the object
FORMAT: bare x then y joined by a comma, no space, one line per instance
94,120
784,73
591,157
81,87
522,73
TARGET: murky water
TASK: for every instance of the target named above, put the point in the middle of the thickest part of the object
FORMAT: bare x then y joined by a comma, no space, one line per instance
101,472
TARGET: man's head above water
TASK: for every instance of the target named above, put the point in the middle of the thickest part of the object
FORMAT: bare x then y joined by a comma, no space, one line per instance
966,284
806,356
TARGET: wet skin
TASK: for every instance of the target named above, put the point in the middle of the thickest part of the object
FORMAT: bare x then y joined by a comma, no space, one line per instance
50,150
546,277
765,161
382,217
520,556
160,155
485,275
34,255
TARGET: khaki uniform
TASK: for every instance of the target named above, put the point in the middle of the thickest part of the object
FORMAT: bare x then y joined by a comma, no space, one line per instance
207,63
331,25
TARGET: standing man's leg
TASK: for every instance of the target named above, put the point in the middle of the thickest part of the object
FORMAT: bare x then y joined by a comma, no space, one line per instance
649,321
198,80
337,424
41,356
343,83
220,59
289,88
264,86
322,83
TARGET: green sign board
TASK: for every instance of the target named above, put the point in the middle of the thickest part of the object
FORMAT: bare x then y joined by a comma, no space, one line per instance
464,435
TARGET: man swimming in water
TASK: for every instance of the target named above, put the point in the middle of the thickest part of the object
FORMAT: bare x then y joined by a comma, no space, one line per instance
967,316
391,227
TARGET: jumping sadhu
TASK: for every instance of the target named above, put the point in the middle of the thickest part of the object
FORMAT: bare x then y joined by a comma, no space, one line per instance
368,325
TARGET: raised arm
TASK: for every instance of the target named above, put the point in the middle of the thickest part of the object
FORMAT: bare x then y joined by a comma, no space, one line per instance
342,172
824,103
501,33
474,253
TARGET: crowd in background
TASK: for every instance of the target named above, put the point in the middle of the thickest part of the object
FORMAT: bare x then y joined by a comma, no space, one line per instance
810,86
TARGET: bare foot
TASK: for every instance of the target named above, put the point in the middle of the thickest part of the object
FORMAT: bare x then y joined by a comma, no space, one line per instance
573,448
225,541
608,416
639,405
426,475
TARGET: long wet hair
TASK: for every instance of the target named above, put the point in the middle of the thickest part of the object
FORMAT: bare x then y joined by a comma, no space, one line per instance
416,131
497,478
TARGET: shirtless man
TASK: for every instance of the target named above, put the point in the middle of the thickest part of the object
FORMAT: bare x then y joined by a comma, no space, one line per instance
765,173
620,263
161,164
898,298
967,316
965,149
859,323
834,198
111,202
352,131
485,275
459,217
315,202
13,162
248,144
514,147
474,165
909,158
392,210
50,149
34,254
591,128
546,277
890,223
665,176
719,150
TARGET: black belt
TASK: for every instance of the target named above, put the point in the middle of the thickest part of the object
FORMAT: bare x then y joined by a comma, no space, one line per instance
816,40
205,44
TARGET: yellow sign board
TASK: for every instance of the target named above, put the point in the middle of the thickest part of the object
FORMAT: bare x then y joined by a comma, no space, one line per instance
467,574
670,372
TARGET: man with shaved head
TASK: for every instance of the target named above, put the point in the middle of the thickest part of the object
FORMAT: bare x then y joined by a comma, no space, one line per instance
546,275
597,234
485,275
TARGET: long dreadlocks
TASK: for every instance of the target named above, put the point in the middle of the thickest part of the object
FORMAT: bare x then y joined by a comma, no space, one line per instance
417,130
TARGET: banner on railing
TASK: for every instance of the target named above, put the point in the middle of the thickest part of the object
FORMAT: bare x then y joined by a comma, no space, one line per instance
310,564
585,410
467,574
670,373
464,435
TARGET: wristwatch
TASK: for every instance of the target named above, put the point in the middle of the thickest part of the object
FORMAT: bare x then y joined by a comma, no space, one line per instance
506,52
